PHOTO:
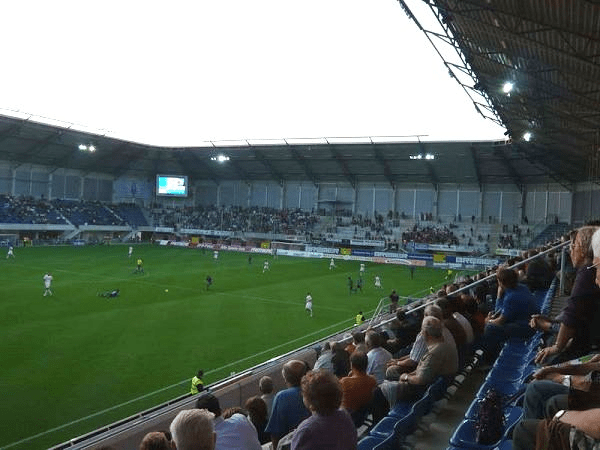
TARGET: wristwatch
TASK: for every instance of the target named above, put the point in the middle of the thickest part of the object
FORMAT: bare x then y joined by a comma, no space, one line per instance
566,381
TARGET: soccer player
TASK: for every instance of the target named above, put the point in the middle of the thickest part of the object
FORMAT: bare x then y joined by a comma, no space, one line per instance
208,281
265,266
331,264
140,266
11,253
48,284
110,294
377,282
308,306
362,269
350,285
359,284
130,251
216,256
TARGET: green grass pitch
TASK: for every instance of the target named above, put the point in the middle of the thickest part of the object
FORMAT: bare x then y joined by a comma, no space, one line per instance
75,354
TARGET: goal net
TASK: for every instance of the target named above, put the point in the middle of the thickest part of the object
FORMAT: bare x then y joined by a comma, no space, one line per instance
280,245
7,240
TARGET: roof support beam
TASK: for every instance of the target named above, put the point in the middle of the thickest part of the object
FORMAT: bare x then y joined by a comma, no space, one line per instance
344,165
265,161
304,163
475,159
387,172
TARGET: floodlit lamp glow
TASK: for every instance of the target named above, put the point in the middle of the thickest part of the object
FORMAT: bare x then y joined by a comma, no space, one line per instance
82,147
527,136
91,148
429,156
508,87
220,158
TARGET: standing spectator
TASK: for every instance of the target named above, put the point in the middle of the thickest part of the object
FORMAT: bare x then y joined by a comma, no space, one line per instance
192,429
288,407
328,427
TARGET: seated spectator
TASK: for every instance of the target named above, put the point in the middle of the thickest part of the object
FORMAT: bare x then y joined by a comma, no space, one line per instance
288,407
234,432
328,427
265,386
358,343
257,413
441,359
575,320
324,359
155,440
358,388
406,364
514,307
340,360
559,388
192,429
377,356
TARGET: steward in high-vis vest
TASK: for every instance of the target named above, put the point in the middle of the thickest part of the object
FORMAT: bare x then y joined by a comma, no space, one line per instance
360,318
197,383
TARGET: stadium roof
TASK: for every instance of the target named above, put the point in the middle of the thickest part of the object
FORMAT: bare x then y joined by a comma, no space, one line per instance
548,50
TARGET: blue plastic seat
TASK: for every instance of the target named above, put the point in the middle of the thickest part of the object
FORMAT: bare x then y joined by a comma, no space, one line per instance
369,443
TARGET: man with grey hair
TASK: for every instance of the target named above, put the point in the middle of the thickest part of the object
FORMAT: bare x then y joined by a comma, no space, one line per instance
441,359
406,364
192,429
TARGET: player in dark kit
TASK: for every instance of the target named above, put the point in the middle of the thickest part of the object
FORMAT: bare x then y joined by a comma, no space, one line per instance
208,282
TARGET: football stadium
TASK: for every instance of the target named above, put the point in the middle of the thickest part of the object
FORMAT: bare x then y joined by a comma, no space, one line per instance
366,292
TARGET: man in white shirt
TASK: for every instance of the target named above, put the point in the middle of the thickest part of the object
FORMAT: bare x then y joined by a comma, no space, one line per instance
308,306
234,433
48,284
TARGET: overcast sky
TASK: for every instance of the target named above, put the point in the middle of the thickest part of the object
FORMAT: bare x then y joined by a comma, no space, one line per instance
181,72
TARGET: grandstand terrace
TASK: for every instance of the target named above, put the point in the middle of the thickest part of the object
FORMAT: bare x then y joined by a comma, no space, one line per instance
372,196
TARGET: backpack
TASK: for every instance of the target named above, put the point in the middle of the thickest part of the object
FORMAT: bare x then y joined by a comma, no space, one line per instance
489,425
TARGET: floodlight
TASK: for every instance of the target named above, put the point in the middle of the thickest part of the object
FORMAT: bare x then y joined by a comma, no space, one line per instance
527,136
91,148
82,147
219,158
508,87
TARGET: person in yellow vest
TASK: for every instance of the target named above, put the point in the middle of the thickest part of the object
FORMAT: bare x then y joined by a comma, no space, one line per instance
360,318
140,265
197,383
